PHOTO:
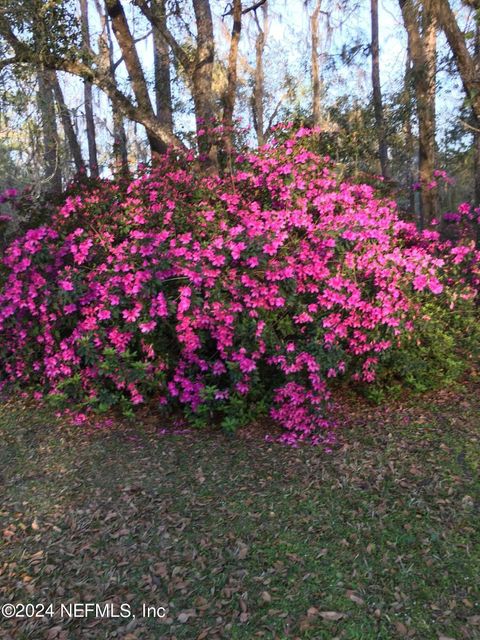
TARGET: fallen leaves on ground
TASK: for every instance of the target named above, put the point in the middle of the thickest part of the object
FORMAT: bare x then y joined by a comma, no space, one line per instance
241,538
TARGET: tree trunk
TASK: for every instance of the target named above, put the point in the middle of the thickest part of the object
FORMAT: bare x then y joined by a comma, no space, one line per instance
427,145
120,150
377,92
199,73
421,31
163,90
467,67
258,111
316,85
68,127
88,96
476,142
134,68
230,93
46,106
409,138
91,136
202,80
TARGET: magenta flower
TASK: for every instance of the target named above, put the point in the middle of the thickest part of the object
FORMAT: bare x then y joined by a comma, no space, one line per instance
66,285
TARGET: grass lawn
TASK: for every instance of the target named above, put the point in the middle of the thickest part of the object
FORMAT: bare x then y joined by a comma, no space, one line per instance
241,539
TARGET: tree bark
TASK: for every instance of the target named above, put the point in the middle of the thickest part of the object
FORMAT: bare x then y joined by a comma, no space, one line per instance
230,93
163,88
469,69
466,64
377,92
476,142
421,30
258,110
409,137
428,89
202,79
51,144
67,125
316,85
88,96
120,143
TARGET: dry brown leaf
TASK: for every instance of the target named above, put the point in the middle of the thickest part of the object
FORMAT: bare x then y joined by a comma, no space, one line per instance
242,550
305,623
401,629
184,616
332,615
201,603
354,597
160,569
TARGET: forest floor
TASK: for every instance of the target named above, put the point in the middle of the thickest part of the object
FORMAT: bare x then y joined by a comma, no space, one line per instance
241,539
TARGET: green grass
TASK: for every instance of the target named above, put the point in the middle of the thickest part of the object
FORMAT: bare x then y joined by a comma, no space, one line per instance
246,539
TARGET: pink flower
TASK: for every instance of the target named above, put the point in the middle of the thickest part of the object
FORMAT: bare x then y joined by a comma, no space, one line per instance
66,285
420,282
69,308
104,314
435,286
130,315
147,327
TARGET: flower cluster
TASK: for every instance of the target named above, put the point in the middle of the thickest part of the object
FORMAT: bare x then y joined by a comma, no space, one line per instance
8,194
218,292
439,177
465,213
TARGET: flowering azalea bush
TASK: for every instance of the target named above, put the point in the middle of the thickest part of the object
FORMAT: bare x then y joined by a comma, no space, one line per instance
229,296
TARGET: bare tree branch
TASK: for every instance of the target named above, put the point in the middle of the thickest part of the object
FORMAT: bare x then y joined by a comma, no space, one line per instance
253,7
7,61
98,77
178,52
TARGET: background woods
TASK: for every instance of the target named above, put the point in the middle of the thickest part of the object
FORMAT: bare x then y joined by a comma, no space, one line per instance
103,85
